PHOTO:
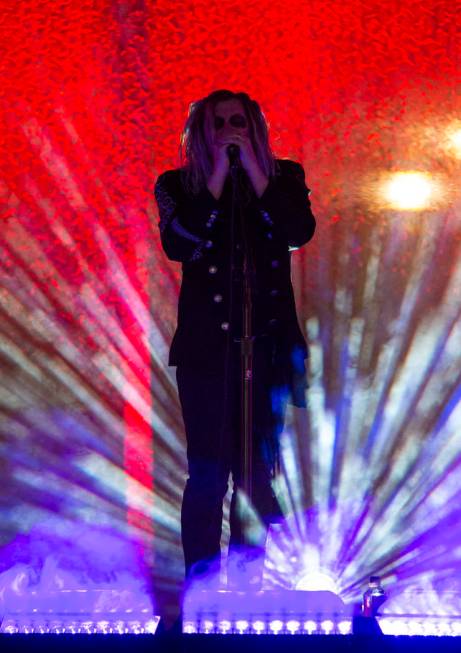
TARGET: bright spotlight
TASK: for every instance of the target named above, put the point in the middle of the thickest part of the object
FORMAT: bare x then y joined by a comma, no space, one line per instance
409,191
455,142
315,581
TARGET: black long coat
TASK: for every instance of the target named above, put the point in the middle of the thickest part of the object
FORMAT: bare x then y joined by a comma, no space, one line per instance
197,231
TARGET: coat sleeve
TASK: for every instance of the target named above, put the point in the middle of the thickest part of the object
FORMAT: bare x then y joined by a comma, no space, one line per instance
186,223
285,202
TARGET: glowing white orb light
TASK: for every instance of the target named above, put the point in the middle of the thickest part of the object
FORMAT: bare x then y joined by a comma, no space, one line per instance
276,626
258,626
327,626
189,628
224,626
293,626
409,191
241,625
310,626
313,581
208,626
345,627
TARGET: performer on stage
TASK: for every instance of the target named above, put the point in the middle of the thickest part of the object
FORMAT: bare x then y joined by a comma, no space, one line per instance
232,210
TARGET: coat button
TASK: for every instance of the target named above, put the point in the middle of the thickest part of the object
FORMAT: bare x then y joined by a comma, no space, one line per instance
274,293
275,263
273,323
266,217
212,269
225,326
217,298
208,244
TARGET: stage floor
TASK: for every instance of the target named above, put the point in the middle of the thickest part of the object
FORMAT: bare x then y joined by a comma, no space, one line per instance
170,643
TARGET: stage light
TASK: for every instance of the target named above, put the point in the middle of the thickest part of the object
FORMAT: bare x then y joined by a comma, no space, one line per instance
345,627
409,190
327,626
241,625
189,628
454,140
258,626
276,626
208,626
224,626
310,626
293,626
315,581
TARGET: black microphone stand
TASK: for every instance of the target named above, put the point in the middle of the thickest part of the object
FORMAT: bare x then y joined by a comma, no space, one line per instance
246,342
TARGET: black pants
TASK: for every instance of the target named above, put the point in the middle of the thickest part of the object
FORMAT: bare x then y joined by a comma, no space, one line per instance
210,402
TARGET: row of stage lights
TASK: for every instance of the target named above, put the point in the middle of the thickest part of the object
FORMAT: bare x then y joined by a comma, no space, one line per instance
319,626
423,626
389,625
208,626
86,626
395,625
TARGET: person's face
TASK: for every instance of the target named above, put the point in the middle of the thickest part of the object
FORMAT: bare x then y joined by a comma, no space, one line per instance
229,119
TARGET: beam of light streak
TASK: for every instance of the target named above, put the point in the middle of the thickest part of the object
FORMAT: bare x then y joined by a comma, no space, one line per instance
157,345
75,369
66,375
69,350
54,163
292,503
392,350
122,285
109,331
114,479
101,316
251,520
391,439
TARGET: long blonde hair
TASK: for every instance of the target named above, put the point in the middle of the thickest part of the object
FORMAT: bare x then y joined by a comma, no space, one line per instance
196,147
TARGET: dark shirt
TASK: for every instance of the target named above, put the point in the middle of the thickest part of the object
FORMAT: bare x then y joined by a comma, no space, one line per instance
209,238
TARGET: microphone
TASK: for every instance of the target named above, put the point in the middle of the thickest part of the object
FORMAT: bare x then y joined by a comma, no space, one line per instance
233,152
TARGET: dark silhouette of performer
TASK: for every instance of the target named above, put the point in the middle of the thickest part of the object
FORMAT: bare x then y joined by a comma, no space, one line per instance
213,221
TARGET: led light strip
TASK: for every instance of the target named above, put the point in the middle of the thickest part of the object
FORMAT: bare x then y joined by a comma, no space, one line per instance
37,625
258,626
431,625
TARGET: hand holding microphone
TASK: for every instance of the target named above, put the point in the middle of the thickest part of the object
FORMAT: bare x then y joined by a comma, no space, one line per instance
233,153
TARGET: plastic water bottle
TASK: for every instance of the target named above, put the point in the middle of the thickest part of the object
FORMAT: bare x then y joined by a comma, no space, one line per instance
373,597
